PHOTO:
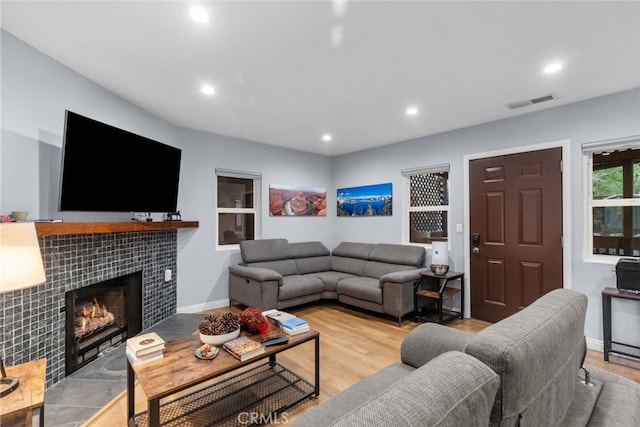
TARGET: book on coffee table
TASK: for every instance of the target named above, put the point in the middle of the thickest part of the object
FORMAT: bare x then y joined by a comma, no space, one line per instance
278,316
295,326
135,361
145,344
243,348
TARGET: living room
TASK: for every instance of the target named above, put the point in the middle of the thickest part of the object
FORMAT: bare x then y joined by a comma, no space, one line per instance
37,89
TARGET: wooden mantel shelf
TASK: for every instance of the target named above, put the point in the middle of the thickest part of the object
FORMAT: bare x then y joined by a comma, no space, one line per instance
63,228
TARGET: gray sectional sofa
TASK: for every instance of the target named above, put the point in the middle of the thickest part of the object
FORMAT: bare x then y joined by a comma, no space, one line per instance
278,274
537,355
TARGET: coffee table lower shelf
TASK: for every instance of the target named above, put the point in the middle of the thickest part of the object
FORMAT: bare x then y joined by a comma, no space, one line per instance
261,393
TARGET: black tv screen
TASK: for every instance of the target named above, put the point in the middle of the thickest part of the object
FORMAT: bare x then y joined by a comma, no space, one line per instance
106,169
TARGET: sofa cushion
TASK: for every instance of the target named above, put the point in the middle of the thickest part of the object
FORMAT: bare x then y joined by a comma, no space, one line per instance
354,396
264,250
350,257
311,257
347,265
308,249
286,267
364,288
452,390
398,254
617,402
313,264
377,269
331,278
581,407
429,340
298,286
537,353
354,250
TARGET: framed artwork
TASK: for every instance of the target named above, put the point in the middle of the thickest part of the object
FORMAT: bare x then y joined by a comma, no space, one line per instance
286,200
368,200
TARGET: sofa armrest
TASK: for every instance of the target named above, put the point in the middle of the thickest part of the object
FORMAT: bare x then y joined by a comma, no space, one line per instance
430,340
402,276
256,273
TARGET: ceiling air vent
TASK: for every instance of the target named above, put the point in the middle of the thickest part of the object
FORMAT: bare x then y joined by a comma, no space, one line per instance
519,104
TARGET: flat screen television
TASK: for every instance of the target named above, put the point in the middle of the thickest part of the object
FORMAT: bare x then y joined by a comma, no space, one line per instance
107,169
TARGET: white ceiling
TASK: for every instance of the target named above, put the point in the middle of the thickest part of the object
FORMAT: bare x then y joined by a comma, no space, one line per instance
287,72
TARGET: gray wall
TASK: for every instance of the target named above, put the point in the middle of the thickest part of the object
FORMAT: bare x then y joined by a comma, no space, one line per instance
607,117
203,270
36,90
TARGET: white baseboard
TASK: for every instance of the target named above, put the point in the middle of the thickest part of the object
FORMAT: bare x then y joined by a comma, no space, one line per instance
596,345
198,308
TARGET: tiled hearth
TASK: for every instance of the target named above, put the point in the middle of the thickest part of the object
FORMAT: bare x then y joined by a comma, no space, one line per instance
33,319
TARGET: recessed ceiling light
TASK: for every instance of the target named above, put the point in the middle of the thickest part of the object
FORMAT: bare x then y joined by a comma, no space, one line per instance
326,137
553,68
208,89
412,111
199,14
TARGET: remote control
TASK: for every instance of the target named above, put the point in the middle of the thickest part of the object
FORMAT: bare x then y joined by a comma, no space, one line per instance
274,340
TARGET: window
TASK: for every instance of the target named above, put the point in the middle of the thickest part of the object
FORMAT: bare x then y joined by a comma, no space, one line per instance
237,202
428,210
614,200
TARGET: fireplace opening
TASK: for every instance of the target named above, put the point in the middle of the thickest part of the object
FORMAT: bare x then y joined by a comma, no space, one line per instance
101,316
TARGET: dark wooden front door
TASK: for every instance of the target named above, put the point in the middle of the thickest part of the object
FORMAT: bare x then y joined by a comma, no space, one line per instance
516,231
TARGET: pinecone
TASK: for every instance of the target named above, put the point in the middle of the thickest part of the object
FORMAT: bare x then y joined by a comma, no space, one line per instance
216,324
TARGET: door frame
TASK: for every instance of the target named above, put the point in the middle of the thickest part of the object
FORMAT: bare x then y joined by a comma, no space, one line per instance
566,209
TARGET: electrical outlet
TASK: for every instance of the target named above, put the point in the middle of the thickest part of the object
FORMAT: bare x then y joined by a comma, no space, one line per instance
458,228
167,275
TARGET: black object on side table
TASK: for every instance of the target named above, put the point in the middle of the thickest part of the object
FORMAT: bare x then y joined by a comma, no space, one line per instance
434,288
621,348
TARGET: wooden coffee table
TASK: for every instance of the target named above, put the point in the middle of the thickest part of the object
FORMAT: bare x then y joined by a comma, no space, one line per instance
262,391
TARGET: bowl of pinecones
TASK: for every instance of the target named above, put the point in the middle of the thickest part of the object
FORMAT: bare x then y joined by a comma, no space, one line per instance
216,329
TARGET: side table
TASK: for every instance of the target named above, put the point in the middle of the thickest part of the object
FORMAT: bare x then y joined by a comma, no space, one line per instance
16,408
435,286
607,294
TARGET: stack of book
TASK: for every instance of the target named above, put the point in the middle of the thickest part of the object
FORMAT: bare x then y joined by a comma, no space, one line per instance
294,326
278,316
243,348
145,348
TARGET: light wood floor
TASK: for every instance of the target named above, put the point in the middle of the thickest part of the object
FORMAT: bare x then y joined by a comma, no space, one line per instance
353,345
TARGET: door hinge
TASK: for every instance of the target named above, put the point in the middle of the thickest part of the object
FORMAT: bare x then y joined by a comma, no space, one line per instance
562,241
561,166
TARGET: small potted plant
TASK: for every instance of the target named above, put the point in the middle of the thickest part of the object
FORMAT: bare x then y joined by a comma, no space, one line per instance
216,329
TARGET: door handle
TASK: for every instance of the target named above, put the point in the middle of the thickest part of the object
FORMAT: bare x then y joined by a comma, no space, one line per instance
475,241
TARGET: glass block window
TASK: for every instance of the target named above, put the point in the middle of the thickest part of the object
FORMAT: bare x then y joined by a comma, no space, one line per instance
428,210
614,200
237,198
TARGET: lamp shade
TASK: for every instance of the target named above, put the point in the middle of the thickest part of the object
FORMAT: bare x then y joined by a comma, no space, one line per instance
20,259
440,253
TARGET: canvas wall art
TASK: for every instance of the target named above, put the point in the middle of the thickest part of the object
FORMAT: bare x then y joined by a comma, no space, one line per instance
368,200
286,200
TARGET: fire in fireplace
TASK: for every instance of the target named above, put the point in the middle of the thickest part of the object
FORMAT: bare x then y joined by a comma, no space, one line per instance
92,318
101,316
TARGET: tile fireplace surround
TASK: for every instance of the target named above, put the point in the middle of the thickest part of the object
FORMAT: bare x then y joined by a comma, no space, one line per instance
33,319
